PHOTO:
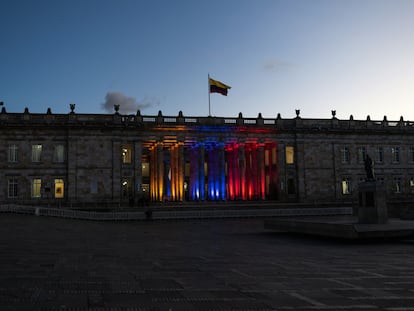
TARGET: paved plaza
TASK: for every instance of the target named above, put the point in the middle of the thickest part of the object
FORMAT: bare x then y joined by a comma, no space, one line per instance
62,264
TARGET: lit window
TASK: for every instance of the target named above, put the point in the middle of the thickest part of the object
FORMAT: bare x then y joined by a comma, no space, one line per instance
379,155
36,188
362,152
412,185
12,188
12,155
346,186
397,185
36,153
59,154
290,155
395,151
145,169
59,188
126,154
345,155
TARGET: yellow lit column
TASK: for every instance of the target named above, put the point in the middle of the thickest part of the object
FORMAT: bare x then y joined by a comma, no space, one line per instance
151,173
181,168
160,171
173,168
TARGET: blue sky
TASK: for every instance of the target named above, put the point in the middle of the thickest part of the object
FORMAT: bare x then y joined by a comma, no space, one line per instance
352,56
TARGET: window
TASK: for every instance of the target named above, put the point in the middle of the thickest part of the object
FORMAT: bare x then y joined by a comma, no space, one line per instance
395,151
59,154
36,153
291,186
362,152
94,187
346,186
379,155
12,188
345,155
126,187
145,169
397,185
12,155
36,188
411,154
59,189
412,185
127,154
290,154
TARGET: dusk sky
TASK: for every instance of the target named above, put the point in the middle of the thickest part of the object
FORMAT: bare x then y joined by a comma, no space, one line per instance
352,56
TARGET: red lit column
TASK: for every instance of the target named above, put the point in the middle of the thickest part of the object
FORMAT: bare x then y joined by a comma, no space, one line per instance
261,171
236,173
242,169
248,172
254,171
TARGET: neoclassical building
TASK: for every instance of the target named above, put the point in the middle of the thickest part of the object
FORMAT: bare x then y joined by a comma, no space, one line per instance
113,159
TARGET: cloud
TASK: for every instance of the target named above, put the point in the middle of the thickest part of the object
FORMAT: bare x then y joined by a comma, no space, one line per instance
275,65
127,104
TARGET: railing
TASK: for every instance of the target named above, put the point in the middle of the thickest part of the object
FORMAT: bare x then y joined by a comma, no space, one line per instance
298,123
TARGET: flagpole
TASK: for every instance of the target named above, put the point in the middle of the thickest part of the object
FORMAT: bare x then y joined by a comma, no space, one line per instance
208,89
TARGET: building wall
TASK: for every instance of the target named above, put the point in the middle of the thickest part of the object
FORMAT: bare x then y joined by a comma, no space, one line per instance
310,164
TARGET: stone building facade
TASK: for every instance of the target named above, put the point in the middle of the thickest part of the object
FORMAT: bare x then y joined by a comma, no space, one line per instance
113,159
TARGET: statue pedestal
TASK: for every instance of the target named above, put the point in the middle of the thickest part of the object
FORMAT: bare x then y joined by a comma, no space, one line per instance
372,203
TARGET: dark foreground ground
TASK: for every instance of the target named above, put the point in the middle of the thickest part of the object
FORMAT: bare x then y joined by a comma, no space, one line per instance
61,264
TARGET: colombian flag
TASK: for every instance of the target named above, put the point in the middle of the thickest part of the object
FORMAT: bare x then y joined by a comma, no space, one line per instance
218,87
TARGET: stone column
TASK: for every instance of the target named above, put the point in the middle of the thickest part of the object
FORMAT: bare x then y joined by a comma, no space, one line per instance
138,169
72,169
181,169
242,169
201,175
261,172
116,172
160,171
221,169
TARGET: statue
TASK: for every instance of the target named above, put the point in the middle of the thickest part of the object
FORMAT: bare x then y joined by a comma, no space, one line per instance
369,167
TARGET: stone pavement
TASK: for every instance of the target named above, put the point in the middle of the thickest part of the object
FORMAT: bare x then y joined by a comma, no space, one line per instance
63,264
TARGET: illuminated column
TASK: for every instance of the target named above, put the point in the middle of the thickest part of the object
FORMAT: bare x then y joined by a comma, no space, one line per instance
248,172
242,170
254,172
236,173
160,171
221,171
172,173
153,177
261,172
201,174
229,155
194,195
210,173
181,168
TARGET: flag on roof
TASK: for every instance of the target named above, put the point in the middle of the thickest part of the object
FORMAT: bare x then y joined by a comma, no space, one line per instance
218,87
